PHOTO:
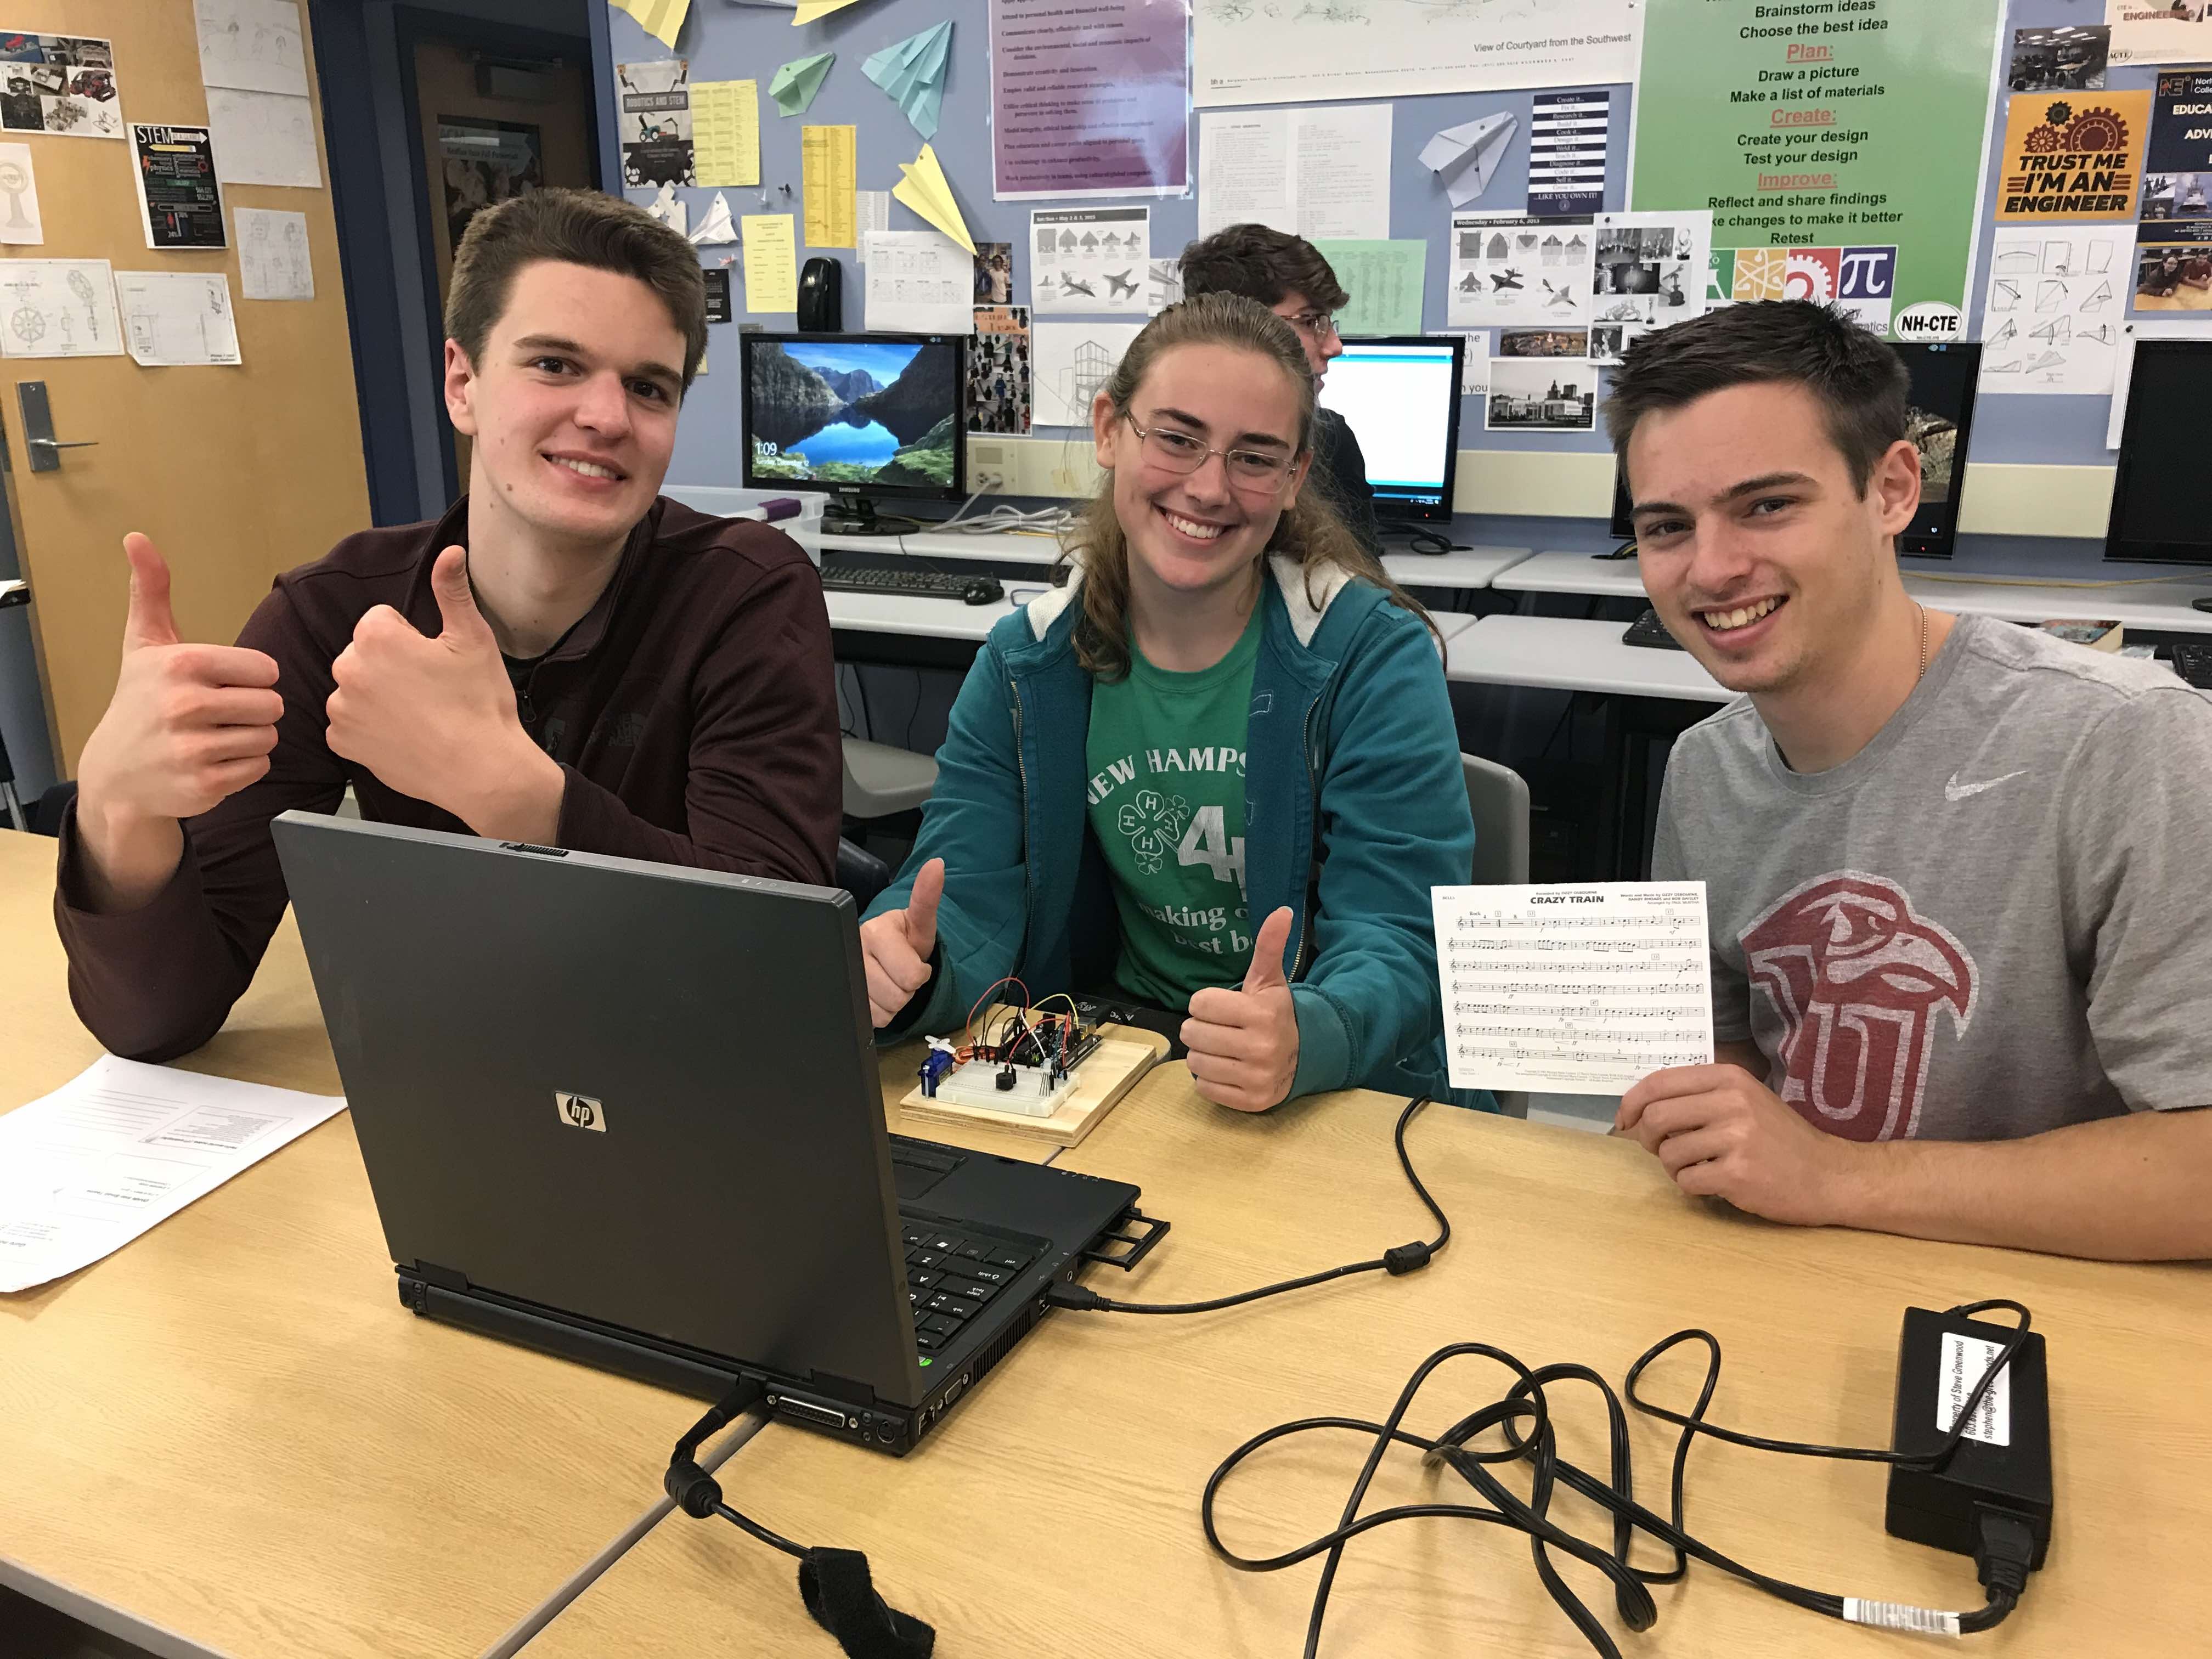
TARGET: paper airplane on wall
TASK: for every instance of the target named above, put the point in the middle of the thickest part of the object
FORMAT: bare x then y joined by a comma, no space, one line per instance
665,207
1465,157
913,74
923,187
660,19
715,225
795,84
809,9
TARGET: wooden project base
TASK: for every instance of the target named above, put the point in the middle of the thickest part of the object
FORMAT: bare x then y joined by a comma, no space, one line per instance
1111,1072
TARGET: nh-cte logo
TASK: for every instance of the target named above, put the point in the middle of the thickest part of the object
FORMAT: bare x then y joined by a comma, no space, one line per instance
580,1111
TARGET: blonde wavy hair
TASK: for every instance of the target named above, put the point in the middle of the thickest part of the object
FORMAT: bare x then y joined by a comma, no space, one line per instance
1309,531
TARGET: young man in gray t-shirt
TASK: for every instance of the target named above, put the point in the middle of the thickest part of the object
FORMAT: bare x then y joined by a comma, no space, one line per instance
1959,873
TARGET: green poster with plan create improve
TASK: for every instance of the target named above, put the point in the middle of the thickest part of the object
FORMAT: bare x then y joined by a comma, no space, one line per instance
1839,143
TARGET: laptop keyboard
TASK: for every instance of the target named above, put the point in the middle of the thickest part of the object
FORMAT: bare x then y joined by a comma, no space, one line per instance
951,1276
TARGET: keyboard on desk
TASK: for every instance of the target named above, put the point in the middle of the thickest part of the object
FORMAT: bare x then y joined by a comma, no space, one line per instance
2194,664
1647,629
951,1274
916,576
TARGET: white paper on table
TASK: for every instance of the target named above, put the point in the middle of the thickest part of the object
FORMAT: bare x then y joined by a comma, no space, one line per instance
872,212
715,225
20,224
272,255
1584,989
1091,261
251,43
2057,304
178,318
122,1147
1465,158
264,138
58,308
1073,361
919,282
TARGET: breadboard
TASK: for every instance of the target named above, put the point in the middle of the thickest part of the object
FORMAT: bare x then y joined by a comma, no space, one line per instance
1094,1090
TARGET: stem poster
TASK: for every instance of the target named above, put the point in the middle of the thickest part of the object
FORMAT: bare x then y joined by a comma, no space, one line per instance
1832,128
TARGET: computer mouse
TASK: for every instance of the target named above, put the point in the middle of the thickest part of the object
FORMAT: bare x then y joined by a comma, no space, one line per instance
2205,604
983,590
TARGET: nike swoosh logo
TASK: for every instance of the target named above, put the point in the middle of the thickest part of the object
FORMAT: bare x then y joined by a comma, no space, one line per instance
1955,791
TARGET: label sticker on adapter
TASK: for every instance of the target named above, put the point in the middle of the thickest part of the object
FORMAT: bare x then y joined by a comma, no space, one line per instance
1965,1360
1895,1616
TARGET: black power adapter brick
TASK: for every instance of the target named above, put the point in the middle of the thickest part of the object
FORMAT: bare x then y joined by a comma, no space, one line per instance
1999,1478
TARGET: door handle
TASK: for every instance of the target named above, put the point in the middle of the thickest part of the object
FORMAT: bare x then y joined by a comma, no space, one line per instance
39,428
55,443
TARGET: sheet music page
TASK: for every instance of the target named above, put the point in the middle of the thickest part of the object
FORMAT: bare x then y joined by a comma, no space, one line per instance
1580,989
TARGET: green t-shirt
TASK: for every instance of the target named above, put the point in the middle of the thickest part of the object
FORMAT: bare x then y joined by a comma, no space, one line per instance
1166,760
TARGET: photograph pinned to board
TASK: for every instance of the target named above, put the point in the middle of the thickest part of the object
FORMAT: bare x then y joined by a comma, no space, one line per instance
1541,395
920,281
1569,139
2173,269
1508,268
272,255
255,45
994,273
2056,299
1073,361
1091,261
63,85
179,204
264,138
999,370
1163,285
20,224
1544,342
653,121
1647,269
2156,32
2070,59
178,318
1088,101
58,308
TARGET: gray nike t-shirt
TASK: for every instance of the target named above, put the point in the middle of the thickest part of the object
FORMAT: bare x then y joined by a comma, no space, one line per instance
1995,919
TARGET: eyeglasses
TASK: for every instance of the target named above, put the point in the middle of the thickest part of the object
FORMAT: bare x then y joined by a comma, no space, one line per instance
1254,470
1319,324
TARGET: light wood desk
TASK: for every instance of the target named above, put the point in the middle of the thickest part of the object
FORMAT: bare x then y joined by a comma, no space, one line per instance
229,1437
1056,1512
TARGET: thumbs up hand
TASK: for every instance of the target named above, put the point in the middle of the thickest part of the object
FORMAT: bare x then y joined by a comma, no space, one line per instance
188,726
896,947
1244,1044
434,718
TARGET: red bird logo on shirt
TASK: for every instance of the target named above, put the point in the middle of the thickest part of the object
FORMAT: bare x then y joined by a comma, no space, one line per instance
1858,976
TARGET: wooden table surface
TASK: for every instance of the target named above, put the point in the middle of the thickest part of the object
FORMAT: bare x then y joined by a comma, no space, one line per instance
1056,1512
232,1432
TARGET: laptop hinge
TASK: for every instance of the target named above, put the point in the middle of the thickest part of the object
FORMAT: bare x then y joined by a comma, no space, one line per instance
841,1387
443,1278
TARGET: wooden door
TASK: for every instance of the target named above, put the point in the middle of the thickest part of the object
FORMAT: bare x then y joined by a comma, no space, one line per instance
237,473
530,128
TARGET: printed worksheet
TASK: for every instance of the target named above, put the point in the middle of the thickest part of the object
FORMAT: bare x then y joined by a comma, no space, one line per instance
1584,989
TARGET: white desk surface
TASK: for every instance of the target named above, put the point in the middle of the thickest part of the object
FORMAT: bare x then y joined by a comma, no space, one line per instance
941,544
1472,566
2163,606
1564,654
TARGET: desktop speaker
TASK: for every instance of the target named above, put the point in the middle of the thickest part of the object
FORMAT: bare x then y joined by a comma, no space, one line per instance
821,297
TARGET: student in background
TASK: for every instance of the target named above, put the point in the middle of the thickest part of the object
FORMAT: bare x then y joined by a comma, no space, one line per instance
565,657
1229,717
1287,275
1956,869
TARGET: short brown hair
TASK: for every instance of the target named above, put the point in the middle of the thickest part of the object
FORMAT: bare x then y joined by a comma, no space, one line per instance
1860,384
1260,264
576,228
1308,532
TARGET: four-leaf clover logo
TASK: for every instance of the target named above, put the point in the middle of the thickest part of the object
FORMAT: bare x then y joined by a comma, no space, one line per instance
1153,823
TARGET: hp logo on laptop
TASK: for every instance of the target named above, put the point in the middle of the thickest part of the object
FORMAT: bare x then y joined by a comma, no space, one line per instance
580,1111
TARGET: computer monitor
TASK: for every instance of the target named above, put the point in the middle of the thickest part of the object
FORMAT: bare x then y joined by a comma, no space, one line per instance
1939,420
1938,416
1400,397
863,416
2159,515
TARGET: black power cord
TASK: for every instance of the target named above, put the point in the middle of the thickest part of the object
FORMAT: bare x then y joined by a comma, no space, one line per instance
1400,1259
2005,1546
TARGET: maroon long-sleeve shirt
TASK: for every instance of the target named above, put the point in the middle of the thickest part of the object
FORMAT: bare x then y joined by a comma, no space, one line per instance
693,710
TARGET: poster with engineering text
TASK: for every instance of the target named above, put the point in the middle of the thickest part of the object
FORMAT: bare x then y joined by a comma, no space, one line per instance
1857,129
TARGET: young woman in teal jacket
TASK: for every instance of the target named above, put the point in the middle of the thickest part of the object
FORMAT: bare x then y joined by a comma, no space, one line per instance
1228,716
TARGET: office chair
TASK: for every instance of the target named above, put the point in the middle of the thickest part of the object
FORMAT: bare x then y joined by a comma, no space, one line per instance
1498,797
882,780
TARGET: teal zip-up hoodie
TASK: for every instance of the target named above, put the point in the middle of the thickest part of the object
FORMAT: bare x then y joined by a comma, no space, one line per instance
1354,807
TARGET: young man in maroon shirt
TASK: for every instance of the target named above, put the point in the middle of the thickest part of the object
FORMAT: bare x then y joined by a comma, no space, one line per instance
565,657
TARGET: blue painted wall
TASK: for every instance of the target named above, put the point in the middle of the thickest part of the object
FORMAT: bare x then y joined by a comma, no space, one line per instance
727,42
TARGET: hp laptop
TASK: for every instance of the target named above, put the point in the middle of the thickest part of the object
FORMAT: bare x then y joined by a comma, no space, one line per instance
631,1113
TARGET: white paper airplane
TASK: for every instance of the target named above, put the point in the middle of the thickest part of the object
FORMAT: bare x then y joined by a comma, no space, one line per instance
1466,156
715,224
665,207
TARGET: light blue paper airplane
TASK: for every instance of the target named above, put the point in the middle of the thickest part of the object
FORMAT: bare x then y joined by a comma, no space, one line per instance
913,74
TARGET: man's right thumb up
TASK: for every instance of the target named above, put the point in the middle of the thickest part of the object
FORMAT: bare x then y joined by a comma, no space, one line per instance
150,621
921,907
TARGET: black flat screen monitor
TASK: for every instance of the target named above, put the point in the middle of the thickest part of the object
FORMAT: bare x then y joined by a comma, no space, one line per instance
857,415
1938,418
2159,516
1400,397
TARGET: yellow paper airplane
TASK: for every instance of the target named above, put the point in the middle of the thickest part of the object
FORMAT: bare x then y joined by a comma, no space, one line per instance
809,9
660,19
922,186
